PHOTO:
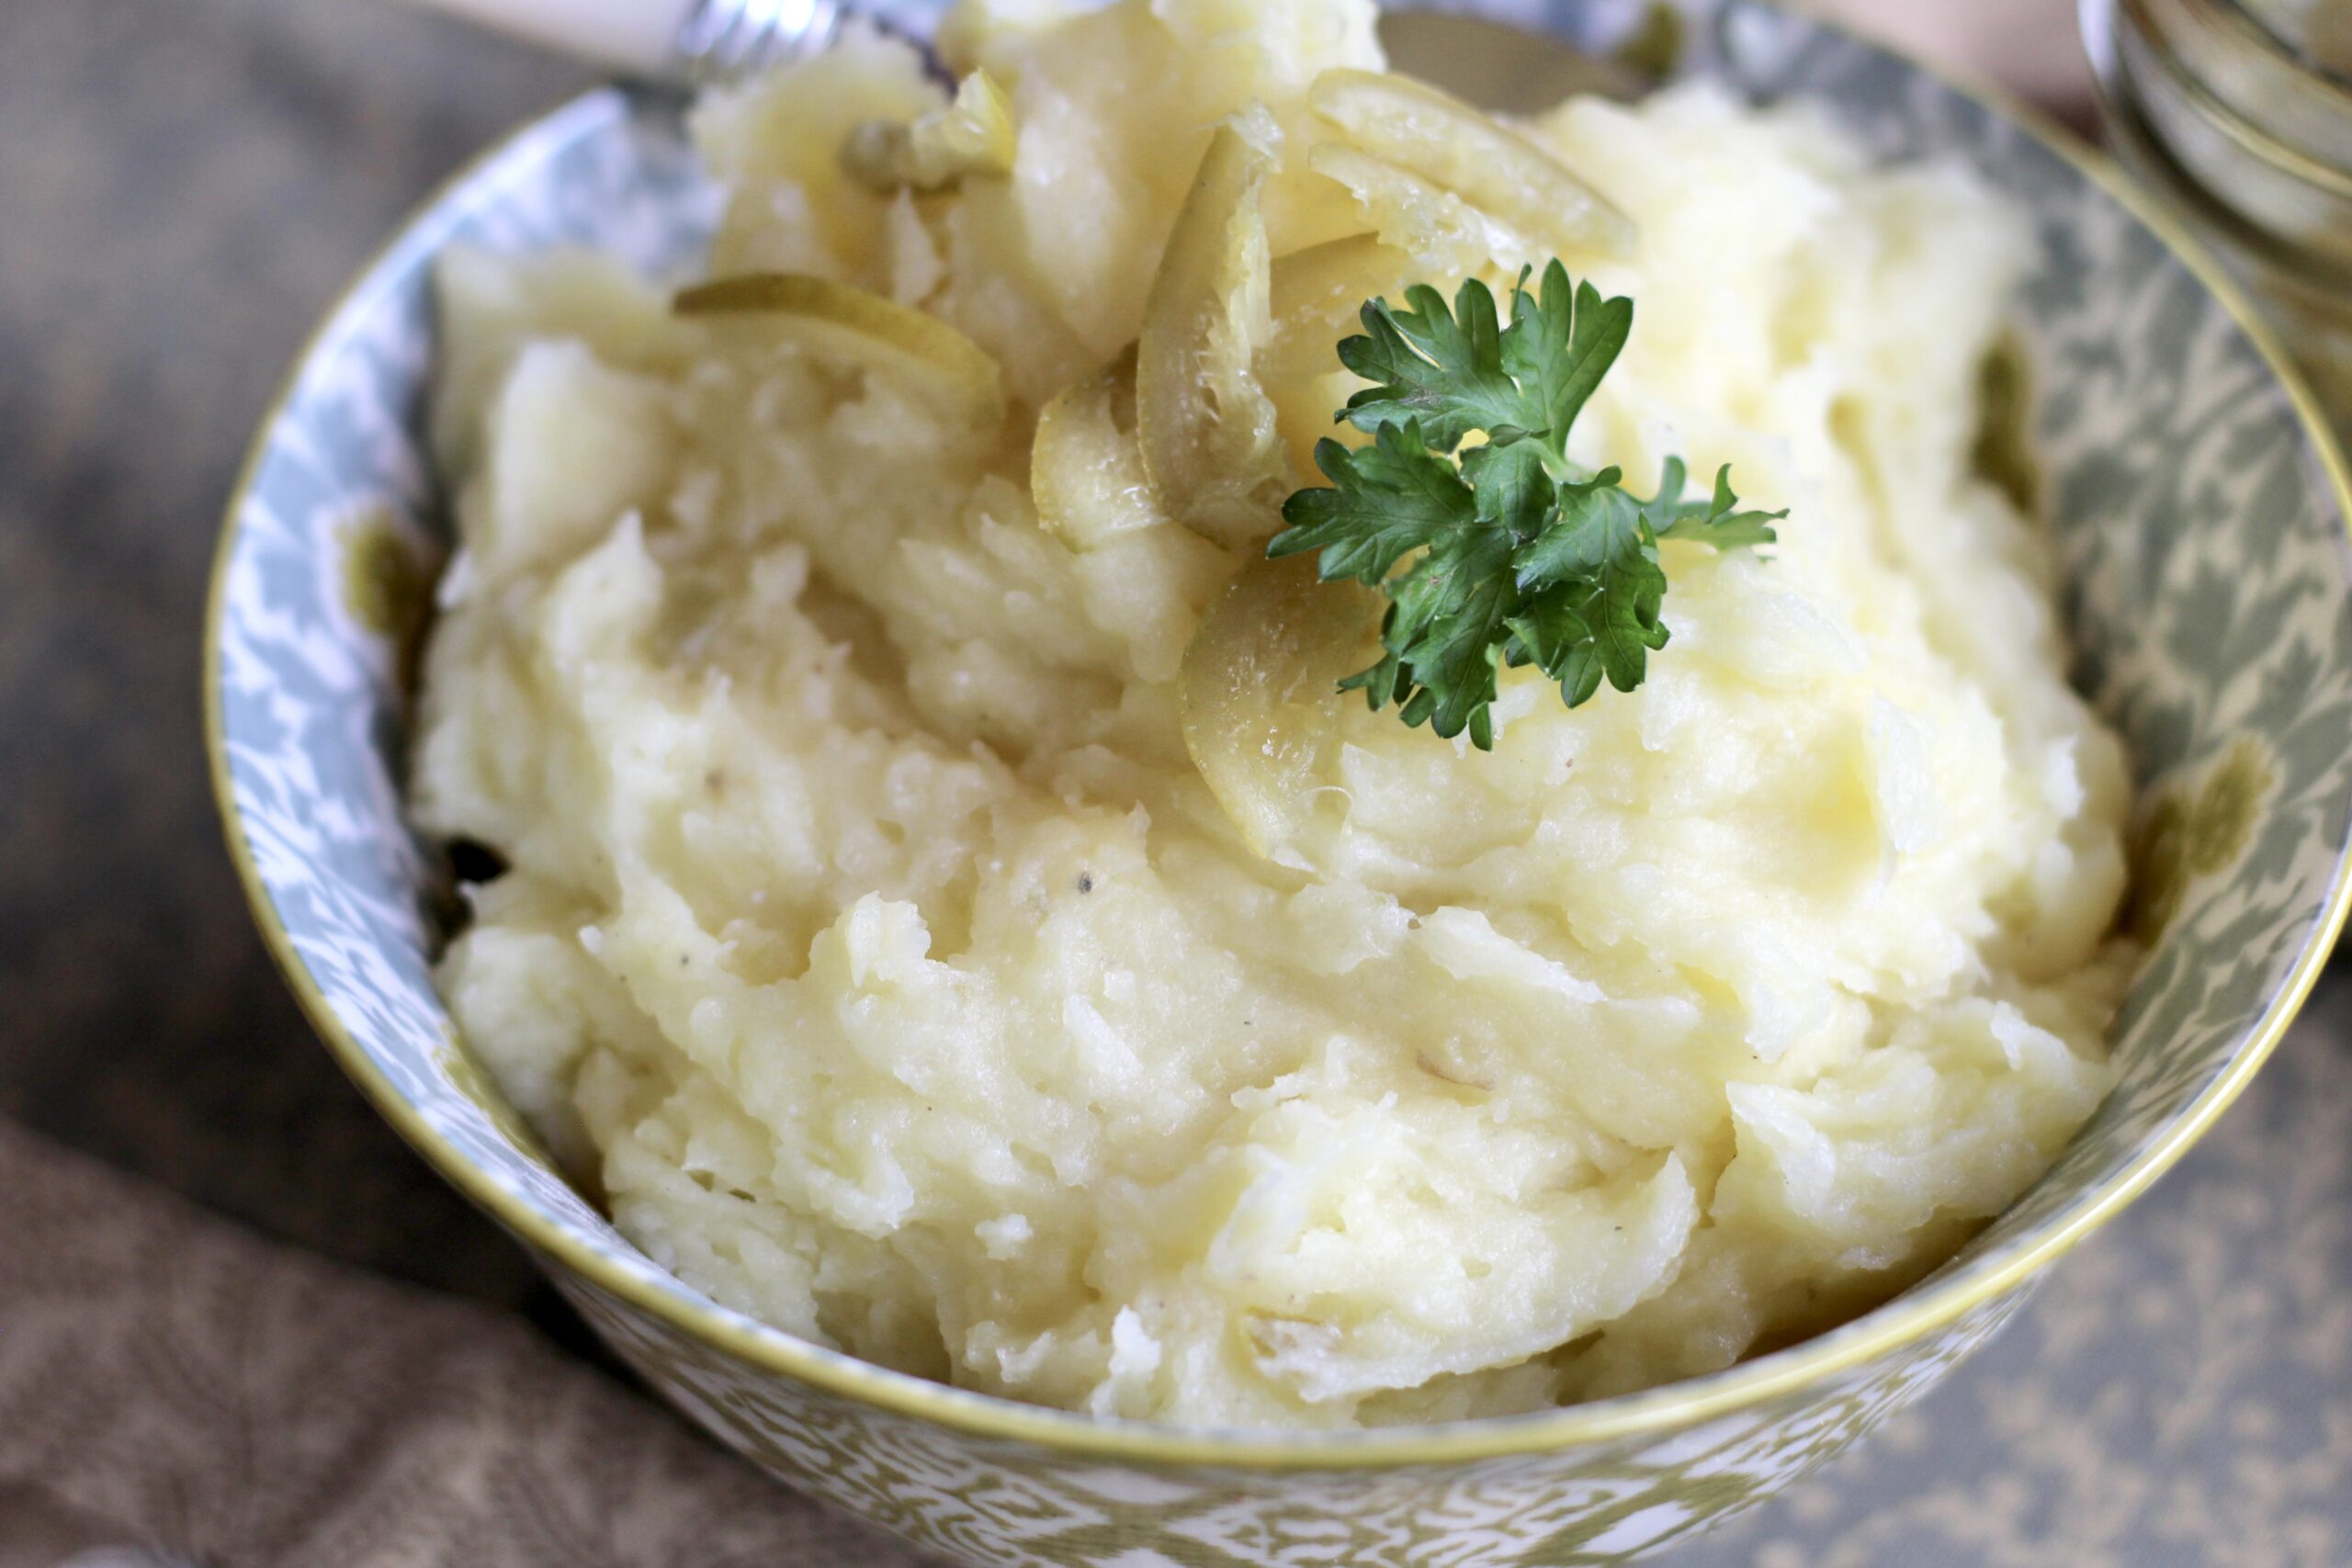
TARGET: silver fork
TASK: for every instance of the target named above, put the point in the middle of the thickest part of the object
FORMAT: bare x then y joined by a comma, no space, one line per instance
695,42
730,38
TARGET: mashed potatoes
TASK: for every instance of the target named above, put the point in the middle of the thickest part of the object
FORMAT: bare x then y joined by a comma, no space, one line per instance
875,945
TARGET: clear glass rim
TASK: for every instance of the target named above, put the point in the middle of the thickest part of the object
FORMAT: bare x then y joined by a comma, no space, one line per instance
2137,145
2198,92
2265,36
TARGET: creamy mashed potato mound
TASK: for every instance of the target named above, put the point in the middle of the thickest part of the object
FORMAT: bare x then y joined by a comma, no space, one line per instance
948,921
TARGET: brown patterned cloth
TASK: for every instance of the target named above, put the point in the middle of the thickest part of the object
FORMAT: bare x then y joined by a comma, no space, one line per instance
175,1391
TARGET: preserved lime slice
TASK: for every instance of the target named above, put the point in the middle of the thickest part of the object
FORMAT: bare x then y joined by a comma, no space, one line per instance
1205,427
1258,696
1445,236
849,324
1318,299
974,135
1085,471
1444,145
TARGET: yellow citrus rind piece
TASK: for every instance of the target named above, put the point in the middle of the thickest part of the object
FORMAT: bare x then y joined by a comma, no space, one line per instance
1439,143
973,135
1205,427
1086,472
1258,696
847,325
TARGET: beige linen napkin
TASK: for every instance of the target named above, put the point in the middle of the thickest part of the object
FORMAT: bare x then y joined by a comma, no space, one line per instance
175,1391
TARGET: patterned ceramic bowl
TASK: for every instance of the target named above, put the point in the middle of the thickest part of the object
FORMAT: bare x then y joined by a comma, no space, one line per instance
2200,513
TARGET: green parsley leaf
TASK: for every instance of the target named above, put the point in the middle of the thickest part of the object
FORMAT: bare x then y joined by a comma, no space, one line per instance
1594,590
1512,486
1716,521
1560,345
1509,551
1445,616
1440,369
1387,501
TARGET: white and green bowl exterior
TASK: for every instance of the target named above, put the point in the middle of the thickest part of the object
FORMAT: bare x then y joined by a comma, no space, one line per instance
2198,518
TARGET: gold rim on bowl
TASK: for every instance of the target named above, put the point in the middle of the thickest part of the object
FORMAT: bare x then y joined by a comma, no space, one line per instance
1910,1317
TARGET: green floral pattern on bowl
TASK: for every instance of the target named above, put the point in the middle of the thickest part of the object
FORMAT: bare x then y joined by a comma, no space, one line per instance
2199,521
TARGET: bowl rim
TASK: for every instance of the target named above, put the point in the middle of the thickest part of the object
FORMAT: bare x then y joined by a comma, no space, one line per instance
1911,1316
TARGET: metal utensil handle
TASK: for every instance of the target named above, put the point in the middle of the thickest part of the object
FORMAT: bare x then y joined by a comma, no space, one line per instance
694,40
721,38
731,37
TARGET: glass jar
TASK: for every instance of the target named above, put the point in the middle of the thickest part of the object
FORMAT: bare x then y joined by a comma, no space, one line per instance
2241,112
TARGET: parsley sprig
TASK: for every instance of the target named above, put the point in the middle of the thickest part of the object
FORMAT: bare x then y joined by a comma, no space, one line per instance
1516,553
